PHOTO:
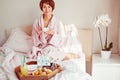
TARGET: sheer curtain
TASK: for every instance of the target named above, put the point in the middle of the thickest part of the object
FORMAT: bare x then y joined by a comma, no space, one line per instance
119,38
119,33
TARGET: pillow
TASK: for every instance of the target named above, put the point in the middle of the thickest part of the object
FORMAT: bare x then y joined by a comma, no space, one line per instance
19,41
72,43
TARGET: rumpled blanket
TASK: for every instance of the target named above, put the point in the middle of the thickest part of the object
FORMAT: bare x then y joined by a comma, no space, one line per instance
10,60
72,70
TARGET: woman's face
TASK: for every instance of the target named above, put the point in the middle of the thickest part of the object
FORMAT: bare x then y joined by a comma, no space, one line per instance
47,9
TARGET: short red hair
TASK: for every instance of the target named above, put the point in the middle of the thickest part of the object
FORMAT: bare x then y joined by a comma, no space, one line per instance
50,2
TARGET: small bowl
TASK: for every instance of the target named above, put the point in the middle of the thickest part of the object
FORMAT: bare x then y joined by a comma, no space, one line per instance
31,68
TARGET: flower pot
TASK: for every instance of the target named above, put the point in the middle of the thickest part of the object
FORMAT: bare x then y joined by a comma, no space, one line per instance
105,54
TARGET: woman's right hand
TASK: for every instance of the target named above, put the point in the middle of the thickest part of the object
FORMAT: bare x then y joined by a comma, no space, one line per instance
39,31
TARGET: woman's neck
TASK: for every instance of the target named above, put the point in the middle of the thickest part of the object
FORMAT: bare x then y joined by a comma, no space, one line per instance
47,17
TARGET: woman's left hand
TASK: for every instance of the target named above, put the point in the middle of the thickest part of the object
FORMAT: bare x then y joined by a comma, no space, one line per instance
50,31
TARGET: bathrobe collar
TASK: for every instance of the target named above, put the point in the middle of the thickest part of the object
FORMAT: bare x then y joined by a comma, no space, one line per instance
51,23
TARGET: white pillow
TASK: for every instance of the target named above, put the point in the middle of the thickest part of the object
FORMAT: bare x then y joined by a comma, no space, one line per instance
72,44
19,41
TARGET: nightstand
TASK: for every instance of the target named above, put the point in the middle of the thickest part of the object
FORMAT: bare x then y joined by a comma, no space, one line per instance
103,69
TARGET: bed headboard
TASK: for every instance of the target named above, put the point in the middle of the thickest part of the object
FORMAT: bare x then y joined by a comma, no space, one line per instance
85,36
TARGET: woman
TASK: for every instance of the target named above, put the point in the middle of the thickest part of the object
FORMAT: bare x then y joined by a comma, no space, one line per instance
48,34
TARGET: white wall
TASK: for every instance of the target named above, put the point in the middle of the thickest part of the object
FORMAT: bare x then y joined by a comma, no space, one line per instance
15,13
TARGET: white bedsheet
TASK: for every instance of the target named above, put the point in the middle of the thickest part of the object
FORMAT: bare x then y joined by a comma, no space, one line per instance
3,75
9,59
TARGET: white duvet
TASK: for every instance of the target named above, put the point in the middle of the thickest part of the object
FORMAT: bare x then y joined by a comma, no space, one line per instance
72,70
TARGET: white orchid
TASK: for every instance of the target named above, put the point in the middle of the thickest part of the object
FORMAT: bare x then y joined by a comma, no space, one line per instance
103,20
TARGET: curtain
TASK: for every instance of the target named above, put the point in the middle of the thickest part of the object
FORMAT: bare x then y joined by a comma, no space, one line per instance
119,39
119,32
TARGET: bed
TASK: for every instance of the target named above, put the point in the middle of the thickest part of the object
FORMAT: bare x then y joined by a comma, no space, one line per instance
84,35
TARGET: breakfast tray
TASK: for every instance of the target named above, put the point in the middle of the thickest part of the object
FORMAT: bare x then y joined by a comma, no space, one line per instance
37,77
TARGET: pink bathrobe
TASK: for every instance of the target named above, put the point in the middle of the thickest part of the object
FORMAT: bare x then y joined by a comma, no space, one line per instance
50,45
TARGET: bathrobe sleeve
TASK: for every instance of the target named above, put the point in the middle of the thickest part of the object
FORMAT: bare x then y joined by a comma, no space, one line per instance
38,39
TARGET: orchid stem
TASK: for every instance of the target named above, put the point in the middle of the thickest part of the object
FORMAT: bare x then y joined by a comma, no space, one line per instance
100,38
106,37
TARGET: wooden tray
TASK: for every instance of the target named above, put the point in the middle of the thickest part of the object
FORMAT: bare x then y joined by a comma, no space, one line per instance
36,77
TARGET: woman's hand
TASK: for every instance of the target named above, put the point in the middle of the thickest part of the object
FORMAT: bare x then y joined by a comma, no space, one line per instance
50,31
71,56
39,31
